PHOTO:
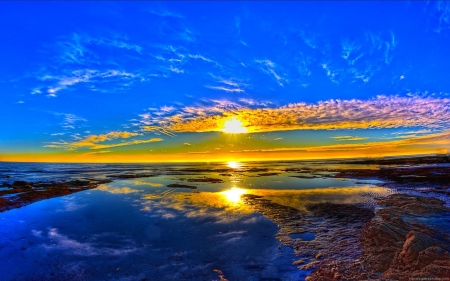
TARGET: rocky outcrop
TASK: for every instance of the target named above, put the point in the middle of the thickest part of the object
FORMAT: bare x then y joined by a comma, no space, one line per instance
393,248
176,185
402,250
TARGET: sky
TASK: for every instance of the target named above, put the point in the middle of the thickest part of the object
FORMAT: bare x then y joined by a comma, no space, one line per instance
220,81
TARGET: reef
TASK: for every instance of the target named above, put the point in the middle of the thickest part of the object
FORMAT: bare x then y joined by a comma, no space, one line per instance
395,249
406,176
352,242
22,193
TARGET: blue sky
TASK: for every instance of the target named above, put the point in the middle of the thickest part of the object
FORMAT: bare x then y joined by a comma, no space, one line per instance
159,77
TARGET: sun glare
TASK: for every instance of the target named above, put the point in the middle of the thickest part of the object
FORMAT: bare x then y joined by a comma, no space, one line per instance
234,126
233,195
234,164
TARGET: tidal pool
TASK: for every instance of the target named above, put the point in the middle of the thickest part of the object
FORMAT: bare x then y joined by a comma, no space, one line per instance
140,229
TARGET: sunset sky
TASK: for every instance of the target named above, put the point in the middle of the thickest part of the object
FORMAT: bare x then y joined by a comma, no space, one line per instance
218,81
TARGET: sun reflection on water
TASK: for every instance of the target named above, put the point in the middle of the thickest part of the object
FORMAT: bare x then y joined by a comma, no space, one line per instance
233,195
234,164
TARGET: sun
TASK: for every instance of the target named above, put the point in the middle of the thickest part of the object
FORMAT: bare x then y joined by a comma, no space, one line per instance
233,126
234,164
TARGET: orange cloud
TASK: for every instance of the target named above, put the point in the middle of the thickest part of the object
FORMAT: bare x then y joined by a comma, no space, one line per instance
92,141
348,138
380,112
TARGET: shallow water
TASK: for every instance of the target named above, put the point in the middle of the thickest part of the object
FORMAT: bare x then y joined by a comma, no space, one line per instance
137,229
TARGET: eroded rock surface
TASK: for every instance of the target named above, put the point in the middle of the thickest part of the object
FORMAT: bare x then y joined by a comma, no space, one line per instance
401,250
351,242
336,229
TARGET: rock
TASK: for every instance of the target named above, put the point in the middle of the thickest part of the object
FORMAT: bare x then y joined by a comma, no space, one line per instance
268,174
21,185
79,183
210,180
402,250
341,212
176,185
131,176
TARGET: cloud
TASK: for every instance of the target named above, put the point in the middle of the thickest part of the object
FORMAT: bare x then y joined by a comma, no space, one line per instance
79,48
87,76
229,90
98,152
152,184
165,13
92,141
379,112
67,244
117,190
227,85
80,59
348,138
271,69
434,139
441,12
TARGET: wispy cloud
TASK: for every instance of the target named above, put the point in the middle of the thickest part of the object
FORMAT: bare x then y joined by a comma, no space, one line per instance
165,13
68,244
271,69
442,139
69,122
229,90
441,12
348,138
78,48
227,85
90,76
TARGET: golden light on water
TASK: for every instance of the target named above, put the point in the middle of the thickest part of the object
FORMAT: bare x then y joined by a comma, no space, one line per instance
234,164
233,195
234,126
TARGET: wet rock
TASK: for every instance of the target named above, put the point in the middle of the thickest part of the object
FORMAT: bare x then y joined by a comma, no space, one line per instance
336,236
341,212
268,174
405,204
5,184
205,179
305,177
411,176
79,182
176,185
255,170
131,176
21,185
402,250
23,193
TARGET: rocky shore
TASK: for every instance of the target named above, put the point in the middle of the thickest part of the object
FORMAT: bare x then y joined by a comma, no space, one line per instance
22,193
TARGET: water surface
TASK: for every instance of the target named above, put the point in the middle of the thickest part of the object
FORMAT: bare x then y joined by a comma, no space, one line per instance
140,229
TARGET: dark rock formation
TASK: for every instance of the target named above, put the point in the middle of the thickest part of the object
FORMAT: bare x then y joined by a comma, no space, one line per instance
176,185
210,180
